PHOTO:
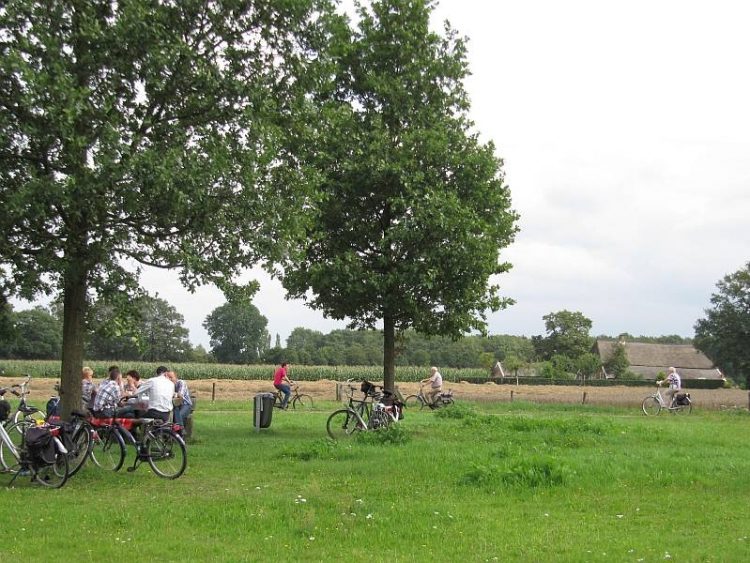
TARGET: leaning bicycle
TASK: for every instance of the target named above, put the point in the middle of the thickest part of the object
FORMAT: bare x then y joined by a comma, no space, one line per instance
655,403
359,414
158,444
38,454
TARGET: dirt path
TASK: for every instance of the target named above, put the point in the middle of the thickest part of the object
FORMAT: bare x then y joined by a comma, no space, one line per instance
223,389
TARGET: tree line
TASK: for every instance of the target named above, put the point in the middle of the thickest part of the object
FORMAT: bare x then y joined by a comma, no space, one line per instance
155,331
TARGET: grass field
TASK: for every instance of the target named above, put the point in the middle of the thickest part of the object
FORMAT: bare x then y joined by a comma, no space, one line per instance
482,482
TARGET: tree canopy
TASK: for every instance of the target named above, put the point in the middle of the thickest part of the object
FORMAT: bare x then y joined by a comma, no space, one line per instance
146,132
238,333
723,335
567,335
154,331
413,210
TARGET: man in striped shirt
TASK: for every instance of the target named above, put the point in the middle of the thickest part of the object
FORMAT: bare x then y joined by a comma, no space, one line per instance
109,394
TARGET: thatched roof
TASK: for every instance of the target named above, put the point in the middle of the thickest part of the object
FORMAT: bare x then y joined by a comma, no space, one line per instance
649,359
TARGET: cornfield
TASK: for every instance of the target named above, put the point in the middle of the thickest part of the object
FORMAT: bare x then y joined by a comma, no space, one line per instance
197,371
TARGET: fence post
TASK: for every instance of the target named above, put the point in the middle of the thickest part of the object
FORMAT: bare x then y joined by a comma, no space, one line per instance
511,395
338,391
584,398
213,392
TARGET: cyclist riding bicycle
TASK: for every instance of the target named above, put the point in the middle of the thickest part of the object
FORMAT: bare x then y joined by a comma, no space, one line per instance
283,384
436,384
675,384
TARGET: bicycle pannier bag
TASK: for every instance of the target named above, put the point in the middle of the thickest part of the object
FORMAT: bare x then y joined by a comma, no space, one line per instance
40,444
682,399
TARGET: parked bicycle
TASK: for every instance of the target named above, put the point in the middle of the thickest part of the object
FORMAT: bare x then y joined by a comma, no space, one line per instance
24,410
37,452
159,444
301,400
653,404
359,415
443,399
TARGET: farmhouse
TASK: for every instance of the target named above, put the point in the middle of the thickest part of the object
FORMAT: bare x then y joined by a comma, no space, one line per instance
647,360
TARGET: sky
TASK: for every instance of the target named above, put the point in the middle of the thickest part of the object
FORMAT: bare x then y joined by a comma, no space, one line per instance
625,133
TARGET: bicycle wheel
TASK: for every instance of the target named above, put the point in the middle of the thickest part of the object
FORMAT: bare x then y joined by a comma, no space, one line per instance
343,423
651,406
15,433
107,448
412,401
55,474
378,420
78,448
304,402
166,453
36,416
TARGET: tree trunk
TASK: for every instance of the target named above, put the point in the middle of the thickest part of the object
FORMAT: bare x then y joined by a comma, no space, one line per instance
74,308
389,353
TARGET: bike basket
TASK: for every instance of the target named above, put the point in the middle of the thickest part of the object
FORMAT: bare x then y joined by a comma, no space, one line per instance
40,444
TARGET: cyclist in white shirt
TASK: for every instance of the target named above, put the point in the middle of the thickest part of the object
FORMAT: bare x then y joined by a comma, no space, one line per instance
675,384
436,384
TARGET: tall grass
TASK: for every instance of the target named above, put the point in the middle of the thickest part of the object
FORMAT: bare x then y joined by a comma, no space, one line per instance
489,483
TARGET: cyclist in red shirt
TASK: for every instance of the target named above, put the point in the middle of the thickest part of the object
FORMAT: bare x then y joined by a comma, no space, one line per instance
282,383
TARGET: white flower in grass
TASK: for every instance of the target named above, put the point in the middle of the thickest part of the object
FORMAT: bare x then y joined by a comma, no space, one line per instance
620,515
369,516
359,500
667,555
312,538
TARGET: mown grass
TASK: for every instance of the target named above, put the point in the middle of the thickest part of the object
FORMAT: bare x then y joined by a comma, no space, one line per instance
489,482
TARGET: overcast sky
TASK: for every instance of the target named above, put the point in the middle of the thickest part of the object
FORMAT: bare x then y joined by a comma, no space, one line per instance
625,131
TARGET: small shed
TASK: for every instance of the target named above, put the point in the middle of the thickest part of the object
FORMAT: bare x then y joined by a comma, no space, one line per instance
647,360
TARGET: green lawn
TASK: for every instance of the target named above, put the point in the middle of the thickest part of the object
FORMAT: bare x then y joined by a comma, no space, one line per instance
501,482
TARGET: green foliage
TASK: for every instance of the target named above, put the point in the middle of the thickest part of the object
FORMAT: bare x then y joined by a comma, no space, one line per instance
36,334
238,333
150,133
147,329
458,410
618,362
532,473
322,448
413,209
350,500
724,332
567,335
391,435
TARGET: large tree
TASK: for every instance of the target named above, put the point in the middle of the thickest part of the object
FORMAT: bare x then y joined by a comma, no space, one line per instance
567,335
413,209
238,333
145,132
724,334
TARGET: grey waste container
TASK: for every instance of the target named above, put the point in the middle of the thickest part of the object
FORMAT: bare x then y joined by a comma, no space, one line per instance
262,410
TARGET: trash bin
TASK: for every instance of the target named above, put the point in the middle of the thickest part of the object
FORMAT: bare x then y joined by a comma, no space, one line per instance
262,410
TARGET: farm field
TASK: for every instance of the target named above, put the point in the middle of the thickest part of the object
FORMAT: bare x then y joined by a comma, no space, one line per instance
238,390
485,481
